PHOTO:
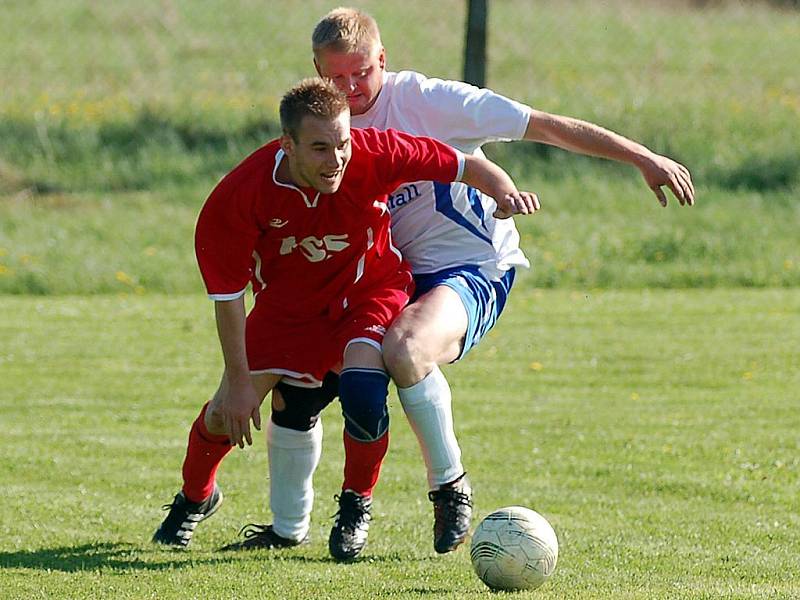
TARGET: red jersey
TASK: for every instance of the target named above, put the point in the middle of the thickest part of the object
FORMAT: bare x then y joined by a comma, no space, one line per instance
306,253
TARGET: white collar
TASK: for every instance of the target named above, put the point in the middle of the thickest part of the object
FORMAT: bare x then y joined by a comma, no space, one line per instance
278,158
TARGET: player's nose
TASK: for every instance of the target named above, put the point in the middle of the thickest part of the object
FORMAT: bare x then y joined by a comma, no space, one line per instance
334,159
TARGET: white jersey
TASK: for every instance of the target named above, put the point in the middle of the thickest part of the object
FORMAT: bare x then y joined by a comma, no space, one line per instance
438,226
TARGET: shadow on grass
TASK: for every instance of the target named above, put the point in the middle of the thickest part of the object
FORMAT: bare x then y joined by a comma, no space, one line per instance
91,557
127,557
288,556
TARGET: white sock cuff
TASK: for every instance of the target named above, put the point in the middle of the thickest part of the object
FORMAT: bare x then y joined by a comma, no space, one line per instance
429,389
283,437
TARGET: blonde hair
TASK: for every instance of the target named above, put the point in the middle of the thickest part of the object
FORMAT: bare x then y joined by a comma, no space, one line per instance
311,97
345,30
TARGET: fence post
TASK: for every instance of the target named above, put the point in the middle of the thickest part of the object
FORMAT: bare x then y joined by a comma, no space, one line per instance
475,43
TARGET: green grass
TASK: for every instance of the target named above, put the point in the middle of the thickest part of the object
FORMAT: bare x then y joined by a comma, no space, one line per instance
657,431
605,230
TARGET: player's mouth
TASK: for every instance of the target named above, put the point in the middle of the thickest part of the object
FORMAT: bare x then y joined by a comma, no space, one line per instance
331,177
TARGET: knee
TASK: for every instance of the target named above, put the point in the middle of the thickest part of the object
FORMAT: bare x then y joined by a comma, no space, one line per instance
363,395
407,356
302,406
212,419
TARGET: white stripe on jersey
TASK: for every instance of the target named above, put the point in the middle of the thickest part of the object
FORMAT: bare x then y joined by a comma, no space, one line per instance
295,378
257,271
360,267
227,297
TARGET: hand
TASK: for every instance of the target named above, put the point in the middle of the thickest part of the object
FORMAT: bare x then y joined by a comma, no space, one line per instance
517,203
659,170
240,404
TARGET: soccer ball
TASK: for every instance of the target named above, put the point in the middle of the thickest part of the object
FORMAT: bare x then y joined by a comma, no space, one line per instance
514,548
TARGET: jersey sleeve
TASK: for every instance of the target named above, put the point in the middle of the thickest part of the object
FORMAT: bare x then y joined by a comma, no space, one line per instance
400,157
225,238
461,114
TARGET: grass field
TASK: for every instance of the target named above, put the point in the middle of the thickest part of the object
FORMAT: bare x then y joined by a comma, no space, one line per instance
641,390
657,430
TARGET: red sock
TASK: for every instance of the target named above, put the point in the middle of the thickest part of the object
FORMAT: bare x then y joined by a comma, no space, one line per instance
203,456
362,463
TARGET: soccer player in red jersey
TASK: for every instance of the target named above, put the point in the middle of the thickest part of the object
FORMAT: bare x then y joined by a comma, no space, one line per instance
304,221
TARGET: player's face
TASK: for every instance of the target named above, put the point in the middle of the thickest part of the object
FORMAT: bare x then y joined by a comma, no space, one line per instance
319,155
359,75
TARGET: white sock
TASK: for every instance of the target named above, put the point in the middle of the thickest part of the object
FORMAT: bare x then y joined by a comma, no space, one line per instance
428,406
293,457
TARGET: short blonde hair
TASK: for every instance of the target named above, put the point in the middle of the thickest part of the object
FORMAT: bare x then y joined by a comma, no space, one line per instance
311,97
345,30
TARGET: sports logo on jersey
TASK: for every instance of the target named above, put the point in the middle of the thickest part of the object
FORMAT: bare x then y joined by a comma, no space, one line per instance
403,195
278,223
379,329
313,248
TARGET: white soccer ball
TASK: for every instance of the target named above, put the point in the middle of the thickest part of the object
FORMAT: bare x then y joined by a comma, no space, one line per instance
514,548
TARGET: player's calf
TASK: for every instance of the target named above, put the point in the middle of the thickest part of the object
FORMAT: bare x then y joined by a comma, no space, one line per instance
294,439
363,395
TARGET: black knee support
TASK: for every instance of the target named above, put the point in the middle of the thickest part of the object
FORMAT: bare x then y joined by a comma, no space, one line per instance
303,405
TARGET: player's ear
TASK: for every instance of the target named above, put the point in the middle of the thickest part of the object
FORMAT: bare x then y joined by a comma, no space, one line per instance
316,66
382,58
287,144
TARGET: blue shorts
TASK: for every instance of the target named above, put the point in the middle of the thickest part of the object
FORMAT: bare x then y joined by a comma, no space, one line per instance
483,299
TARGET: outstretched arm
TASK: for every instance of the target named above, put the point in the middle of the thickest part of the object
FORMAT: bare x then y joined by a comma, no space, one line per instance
587,138
493,181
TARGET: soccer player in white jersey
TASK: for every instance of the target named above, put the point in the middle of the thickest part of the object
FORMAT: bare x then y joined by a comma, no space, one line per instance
462,257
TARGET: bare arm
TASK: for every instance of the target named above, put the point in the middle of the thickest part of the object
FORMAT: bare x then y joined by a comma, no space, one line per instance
587,138
495,182
240,402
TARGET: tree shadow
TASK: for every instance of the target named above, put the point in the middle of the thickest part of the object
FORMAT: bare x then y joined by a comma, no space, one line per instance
91,557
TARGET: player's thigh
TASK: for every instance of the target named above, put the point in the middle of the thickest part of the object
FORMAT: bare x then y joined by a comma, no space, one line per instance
431,329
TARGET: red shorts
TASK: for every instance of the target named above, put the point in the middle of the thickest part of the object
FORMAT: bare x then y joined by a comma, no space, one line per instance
304,350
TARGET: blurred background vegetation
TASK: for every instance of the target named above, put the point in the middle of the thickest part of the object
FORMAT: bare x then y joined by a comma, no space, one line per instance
116,120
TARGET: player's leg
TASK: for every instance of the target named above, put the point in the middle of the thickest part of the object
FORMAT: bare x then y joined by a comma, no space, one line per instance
303,352
429,332
208,445
294,439
363,389
452,313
